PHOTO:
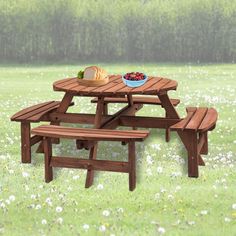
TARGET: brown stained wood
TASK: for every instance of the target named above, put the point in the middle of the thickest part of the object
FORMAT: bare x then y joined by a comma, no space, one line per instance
172,85
204,149
47,159
81,118
149,83
209,120
65,103
120,89
130,100
200,161
192,155
183,123
65,81
116,88
93,150
157,86
35,139
114,121
35,114
132,166
151,100
29,109
68,162
197,119
147,122
25,143
167,105
89,134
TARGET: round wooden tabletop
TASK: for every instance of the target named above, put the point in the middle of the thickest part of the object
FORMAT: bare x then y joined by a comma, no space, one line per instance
115,87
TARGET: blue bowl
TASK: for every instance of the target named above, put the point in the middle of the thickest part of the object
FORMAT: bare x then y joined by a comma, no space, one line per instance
134,83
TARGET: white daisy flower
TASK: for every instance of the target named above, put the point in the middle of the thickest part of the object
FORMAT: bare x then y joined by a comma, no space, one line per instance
12,198
227,219
59,220
161,230
86,227
44,222
204,212
106,213
159,169
102,228
59,209
100,187
38,207
234,206
25,174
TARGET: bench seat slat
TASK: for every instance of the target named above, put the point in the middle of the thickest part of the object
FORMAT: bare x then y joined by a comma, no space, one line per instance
36,112
17,116
183,123
137,99
197,118
89,134
209,120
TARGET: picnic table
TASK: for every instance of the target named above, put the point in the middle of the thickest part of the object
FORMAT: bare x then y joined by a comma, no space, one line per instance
192,129
115,88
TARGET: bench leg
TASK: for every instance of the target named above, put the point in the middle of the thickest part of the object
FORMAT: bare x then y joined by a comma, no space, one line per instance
25,143
47,144
204,149
167,131
132,166
90,173
193,155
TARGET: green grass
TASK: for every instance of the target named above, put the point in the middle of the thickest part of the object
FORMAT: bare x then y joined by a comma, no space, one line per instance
164,196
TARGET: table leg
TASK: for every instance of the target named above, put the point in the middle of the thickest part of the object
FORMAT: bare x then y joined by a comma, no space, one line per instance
64,105
93,150
131,103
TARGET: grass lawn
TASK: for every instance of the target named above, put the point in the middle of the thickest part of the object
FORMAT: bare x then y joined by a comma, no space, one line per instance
165,201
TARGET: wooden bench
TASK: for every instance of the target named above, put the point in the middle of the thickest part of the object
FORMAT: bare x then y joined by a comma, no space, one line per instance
137,100
193,132
30,115
50,131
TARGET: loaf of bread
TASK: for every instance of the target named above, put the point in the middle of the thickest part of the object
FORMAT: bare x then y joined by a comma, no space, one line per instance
93,76
95,73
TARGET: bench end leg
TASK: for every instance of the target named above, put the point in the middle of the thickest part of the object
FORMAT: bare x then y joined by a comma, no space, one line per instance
25,143
47,156
90,173
132,166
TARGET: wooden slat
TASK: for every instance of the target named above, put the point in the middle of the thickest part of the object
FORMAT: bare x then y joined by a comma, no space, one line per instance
89,134
150,82
64,81
197,118
157,86
172,85
35,139
150,87
137,99
114,81
29,109
38,116
35,114
209,120
68,162
183,123
137,133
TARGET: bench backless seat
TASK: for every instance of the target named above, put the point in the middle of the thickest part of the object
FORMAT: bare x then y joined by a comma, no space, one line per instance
193,132
32,114
49,132
150,100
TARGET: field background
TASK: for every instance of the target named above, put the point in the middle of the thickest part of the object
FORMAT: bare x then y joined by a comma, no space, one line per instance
164,197
191,41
